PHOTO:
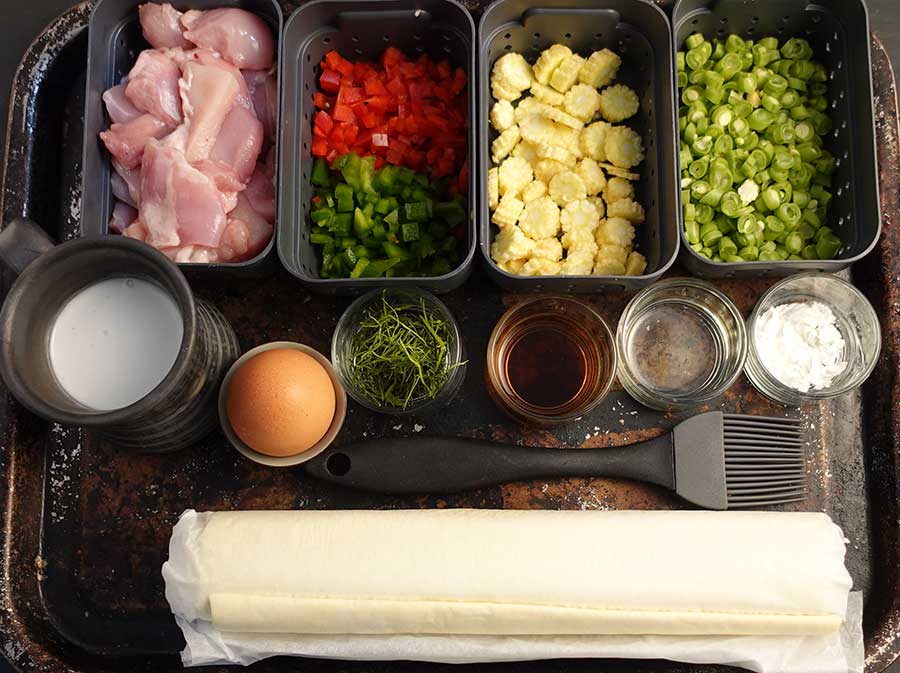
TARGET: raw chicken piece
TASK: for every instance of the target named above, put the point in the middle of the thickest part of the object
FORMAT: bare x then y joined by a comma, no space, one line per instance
211,58
242,38
153,86
248,232
131,179
179,204
161,25
260,194
207,94
126,141
224,178
264,94
239,142
136,230
118,107
122,216
119,189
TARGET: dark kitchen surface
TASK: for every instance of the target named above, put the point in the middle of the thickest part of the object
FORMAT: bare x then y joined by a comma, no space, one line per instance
24,20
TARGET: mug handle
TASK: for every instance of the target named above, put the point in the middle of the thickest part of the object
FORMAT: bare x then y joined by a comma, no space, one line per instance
21,242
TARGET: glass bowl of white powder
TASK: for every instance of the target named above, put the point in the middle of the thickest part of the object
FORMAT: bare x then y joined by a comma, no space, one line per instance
813,336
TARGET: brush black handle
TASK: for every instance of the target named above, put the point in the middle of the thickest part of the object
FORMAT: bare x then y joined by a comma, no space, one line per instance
407,465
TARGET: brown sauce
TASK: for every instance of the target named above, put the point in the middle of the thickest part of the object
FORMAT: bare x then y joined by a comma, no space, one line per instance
546,367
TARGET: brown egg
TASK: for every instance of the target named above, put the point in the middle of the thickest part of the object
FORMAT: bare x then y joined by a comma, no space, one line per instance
280,402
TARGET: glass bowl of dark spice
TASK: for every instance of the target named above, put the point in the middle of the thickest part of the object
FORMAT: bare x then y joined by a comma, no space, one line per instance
681,343
550,360
399,351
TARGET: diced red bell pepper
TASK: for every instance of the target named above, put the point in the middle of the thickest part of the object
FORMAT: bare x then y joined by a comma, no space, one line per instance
397,88
343,113
379,104
320,100
392,56
322,124
320,147
335,61
350,132
350,95
330,80
374,86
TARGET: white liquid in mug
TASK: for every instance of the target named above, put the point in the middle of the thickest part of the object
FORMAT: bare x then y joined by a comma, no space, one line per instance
115,341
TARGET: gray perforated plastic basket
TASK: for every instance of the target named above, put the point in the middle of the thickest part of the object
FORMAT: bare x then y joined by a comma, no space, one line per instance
114,42
359,29
838,31
640,33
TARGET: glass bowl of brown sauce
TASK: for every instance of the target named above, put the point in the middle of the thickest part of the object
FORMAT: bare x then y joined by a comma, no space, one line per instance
550,360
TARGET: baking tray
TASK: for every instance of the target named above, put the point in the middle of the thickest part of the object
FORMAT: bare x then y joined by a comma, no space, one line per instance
86,527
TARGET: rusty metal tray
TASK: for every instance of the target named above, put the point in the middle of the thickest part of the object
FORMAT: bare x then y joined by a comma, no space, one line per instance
85,527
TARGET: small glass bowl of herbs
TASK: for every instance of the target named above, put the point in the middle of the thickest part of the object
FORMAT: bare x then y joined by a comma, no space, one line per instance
398,351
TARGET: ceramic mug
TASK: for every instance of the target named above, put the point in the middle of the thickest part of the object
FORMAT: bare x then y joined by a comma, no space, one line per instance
176,413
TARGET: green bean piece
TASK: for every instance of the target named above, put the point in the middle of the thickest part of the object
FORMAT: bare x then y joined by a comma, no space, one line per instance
682,79
691,95
801,199
760,119
712,197
702,145
771,103
709,234
679,60
809,252
828,246
690,133
734,43
722,115
789,213
774,229
693,41
800,113
697,58
729,66
705,214
690,212
692,231
775,85
718,51
794,243
715,131
730,204
698,168
797,84
789,99
780,134
727,247
723,144
771,198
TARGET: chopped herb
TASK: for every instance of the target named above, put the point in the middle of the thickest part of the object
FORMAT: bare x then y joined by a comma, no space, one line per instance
399,353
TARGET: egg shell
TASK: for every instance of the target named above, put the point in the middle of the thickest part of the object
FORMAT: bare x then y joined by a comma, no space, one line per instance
280,402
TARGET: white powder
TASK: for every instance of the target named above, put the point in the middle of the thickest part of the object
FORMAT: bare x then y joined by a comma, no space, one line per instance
801,345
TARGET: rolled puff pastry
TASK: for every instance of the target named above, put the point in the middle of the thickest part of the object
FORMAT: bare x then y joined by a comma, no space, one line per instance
509,572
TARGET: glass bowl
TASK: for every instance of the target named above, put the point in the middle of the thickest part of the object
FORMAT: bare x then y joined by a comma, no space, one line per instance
681,343
550,360
348,327
856,320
